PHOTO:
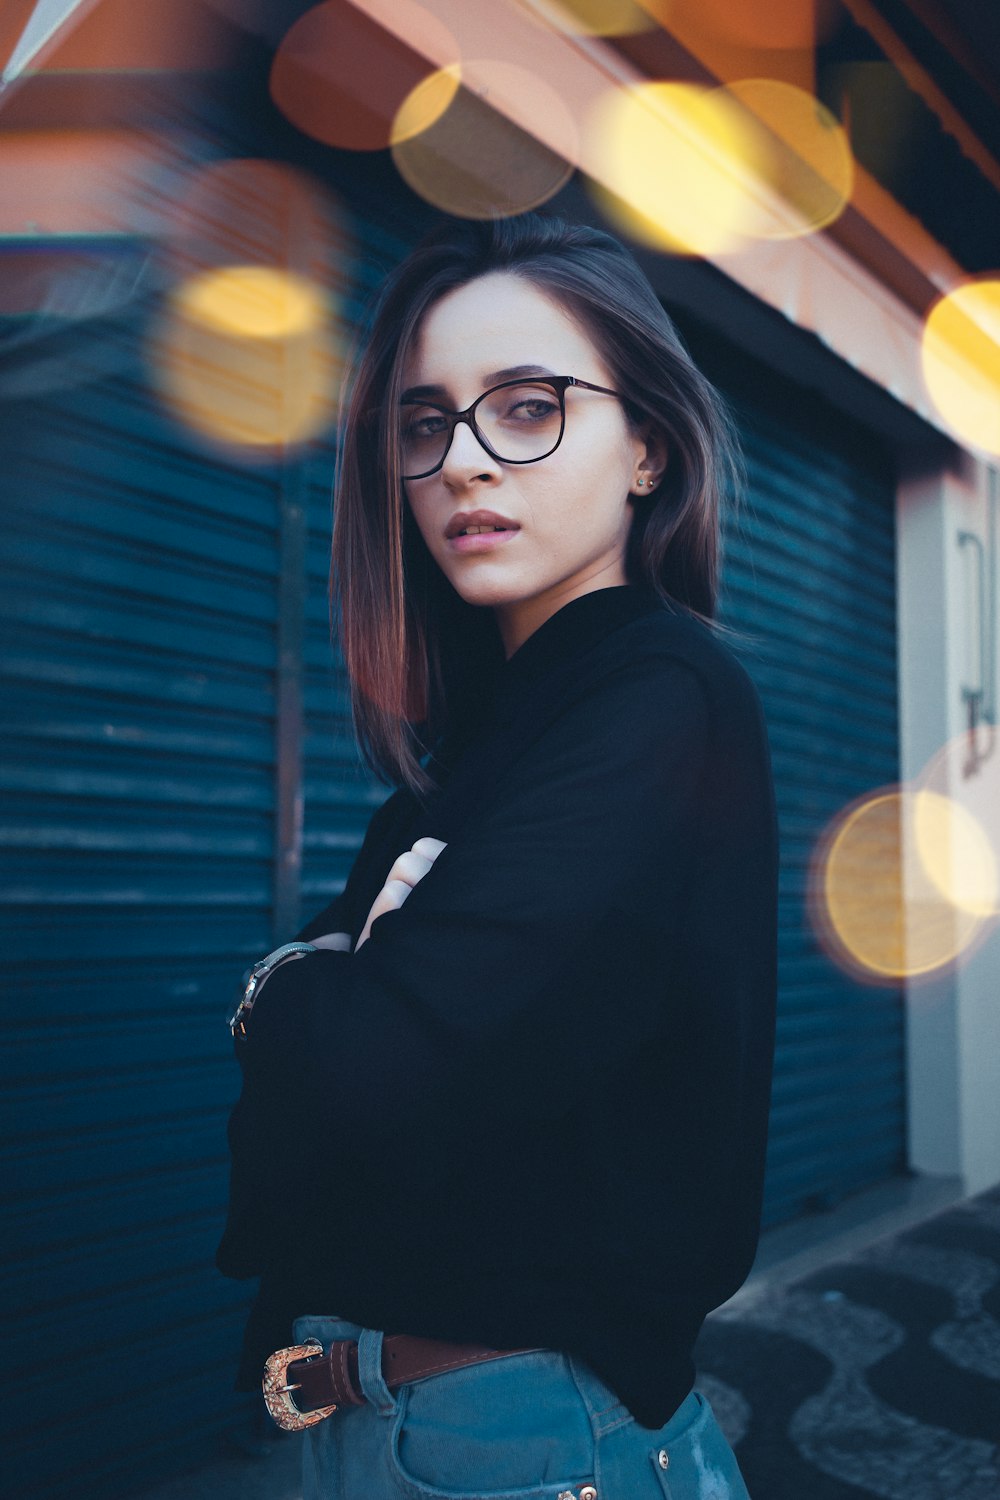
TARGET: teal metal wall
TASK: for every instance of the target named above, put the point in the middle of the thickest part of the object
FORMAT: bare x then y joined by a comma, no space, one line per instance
810,574
169,689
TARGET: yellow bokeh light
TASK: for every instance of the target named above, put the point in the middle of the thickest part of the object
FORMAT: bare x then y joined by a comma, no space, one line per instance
592,17
248,356
954,778
804,158
252,301
677,166
960,354
956,853
505,144
885,896
862,889
702,171
425,104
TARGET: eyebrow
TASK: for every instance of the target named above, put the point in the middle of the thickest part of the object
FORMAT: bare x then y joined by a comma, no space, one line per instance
494,377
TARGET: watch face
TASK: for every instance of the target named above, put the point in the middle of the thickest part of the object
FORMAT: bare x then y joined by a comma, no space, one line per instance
238,1019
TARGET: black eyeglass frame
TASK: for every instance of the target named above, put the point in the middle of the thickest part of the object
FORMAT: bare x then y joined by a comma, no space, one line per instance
558,383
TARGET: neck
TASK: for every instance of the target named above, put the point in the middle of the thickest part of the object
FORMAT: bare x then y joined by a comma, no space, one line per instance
520,619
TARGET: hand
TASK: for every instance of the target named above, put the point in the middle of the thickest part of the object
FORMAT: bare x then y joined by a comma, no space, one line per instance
408,869
339,941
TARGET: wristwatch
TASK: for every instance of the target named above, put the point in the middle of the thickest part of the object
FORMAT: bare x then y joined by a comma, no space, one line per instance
255,978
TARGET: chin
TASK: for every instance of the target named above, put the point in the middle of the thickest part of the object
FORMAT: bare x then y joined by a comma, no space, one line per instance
490,592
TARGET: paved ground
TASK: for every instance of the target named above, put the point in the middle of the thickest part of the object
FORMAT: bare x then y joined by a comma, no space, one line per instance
813,1320
876,1376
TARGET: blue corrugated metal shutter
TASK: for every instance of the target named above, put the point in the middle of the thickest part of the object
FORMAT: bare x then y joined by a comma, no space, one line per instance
154,761
139,598
340,795
810,572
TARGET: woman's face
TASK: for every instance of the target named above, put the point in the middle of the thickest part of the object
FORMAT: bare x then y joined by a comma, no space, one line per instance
569,514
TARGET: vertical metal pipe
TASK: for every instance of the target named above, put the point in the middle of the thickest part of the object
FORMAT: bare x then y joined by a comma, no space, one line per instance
974,696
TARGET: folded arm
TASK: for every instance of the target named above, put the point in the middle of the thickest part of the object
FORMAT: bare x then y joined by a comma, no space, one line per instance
475,1000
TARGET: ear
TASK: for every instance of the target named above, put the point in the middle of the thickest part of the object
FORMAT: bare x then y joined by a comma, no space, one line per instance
651,453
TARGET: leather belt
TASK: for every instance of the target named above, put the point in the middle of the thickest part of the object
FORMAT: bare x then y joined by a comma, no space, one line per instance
322,1382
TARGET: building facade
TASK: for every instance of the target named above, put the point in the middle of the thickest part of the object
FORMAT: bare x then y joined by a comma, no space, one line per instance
182,784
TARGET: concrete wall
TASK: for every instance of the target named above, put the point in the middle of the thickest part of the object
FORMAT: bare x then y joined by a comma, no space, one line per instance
947,647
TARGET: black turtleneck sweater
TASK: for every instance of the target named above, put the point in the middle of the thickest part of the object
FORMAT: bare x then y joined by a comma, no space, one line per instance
532,1110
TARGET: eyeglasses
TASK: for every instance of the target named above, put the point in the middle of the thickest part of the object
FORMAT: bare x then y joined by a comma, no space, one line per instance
517,422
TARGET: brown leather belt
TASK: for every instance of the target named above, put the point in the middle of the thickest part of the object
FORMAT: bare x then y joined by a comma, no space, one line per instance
322,1382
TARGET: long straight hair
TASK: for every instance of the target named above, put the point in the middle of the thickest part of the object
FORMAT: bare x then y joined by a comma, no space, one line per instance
413,648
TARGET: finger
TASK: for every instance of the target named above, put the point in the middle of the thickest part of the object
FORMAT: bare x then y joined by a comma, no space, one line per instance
393,894
390,898
338,942
429,848
409,867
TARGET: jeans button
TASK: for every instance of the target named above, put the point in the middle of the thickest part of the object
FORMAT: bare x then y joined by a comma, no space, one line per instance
663,1459
588,1492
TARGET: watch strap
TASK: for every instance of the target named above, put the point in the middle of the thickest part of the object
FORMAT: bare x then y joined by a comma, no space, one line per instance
255,980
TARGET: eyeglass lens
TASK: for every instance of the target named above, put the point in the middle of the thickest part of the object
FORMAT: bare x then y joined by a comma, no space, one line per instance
520,423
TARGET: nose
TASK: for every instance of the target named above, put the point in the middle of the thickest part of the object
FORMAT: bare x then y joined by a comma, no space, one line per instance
466,458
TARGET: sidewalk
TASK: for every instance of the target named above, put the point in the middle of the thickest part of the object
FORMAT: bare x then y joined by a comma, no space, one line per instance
867,1367
860,1359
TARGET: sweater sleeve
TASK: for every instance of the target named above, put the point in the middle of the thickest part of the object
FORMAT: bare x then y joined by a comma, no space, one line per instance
475,1002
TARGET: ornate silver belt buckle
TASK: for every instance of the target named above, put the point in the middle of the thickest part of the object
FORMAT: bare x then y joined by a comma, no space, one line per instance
277,1391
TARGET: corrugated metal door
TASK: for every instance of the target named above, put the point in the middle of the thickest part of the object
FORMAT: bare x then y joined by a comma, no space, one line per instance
810,572
139,682
161,650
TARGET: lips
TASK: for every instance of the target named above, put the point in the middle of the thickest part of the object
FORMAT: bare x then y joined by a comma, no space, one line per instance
466,518
481,541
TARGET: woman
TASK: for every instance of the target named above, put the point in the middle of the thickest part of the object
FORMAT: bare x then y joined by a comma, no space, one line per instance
508,1111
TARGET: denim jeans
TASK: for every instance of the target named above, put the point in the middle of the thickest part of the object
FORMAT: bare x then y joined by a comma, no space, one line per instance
535,1426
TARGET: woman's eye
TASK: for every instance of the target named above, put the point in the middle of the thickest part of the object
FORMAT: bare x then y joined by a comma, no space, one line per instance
532,409
428,425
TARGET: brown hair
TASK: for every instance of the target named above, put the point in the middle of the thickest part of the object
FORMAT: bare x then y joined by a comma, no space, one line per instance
412,646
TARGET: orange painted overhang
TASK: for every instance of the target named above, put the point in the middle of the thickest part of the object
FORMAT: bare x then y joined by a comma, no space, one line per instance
863,285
